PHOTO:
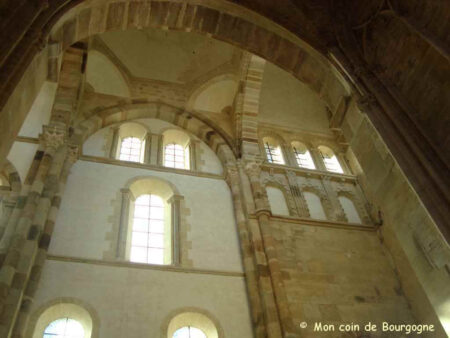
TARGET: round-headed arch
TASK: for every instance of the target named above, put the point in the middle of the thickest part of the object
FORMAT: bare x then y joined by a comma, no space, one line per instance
205,130
64,307
191,316
218,19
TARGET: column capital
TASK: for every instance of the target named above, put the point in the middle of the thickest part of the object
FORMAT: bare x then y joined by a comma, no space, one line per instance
231,173
175,198
73,152
53,136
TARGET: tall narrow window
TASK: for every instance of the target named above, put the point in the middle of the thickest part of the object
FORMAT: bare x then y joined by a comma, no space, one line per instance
175,156
130,149
273,152
302,156
350,210
277,201
189,332
64,328
147,239
314,205
330,160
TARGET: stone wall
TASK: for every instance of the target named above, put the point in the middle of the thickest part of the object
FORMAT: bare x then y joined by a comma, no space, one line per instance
338,276
420,253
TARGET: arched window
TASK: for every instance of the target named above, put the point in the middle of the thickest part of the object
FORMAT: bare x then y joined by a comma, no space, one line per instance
189,332
130,142
149,222
63,319
176,149
350,210
64,328
273,150
147,237
314,205
130,149
330,160
277,201
302,156
193,323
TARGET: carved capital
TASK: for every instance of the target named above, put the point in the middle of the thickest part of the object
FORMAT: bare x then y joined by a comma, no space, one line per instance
73,153
253,168
53,136
232,174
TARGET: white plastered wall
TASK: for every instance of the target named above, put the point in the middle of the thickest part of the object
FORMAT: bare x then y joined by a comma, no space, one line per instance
135,303
87,209
40,111
21,156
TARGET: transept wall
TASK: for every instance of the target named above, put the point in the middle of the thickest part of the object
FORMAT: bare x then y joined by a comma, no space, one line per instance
63,230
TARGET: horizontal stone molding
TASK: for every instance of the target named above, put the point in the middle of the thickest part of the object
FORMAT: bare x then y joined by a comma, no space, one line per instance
132,265
320,223
282,169
110,161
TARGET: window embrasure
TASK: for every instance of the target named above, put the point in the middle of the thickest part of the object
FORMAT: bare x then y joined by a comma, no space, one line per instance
330,160
175,156
129,142
176,149
302,156
130,149
273,151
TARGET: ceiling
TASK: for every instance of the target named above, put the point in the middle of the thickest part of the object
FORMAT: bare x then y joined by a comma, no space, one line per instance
288,102
177,57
